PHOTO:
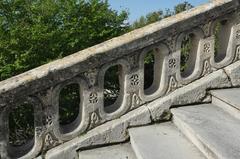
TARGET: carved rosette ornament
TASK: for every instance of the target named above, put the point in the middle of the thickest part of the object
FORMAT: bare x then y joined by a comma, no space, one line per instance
207,48
173,85
172,63
93,98
134,80
206,68
238,35
49,121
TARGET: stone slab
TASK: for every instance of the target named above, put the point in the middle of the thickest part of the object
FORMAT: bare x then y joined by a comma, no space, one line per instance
229,96
162,141
214,131
195,92
233,72
121,151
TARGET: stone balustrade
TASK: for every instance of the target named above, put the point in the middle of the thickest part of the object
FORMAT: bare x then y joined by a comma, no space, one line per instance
41,87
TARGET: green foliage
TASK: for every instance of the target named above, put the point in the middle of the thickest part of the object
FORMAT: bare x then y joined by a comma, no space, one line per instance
34,32
111,85
185,51
148,19
69,103
21,124
148,69
182,7
159,15
154,17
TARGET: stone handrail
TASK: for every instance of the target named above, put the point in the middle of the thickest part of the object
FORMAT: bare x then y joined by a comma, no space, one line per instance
41,86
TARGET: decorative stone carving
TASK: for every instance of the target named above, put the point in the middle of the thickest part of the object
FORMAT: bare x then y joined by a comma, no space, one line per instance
134,79
94,120
42,81
238,51
93,97
172,63
49,141
206,48
238,34
206,68
172,84
49,121
135,101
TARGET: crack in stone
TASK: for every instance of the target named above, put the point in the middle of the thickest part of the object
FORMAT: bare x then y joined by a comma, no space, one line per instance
228,77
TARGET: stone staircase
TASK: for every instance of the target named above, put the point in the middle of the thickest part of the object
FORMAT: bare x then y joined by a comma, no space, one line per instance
205,131
124,129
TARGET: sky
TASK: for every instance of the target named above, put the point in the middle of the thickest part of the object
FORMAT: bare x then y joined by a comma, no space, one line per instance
137,8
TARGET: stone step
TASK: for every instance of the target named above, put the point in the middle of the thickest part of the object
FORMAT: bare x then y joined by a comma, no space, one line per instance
214,131
228,99
121,151
162,141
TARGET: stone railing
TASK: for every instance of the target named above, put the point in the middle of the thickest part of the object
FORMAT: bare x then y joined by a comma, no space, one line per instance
41,87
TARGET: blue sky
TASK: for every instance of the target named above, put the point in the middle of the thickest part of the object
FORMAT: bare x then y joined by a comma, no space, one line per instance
138,8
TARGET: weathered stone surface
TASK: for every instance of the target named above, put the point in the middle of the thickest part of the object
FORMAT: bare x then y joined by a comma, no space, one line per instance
214,131
162,141
121,151
138,117
228,99
226,107
135,105
112,132
159,109
233,71
230,96
196,91
68,67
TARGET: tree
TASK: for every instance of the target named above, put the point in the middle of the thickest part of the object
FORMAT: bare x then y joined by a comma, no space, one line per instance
34,32
154,17
182,7
159,15
148,19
